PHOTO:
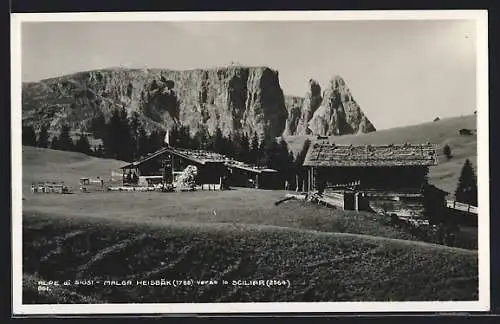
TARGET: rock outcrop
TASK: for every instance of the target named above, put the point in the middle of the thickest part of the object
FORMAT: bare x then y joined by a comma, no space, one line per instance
234,99
294,107
339,113
311,104
333,113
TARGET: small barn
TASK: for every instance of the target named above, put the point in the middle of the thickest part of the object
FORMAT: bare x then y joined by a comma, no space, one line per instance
382,178
243,175
166,164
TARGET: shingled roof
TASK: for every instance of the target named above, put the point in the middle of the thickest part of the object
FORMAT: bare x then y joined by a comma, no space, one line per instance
197,156
322,154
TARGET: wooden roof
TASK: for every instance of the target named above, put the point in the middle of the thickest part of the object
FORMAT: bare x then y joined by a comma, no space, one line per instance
324,154
247,167
196,156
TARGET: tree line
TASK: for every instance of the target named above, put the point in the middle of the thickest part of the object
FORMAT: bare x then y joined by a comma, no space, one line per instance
125,138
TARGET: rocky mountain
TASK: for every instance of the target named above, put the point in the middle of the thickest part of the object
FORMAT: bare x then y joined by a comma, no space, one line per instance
234,99
335,112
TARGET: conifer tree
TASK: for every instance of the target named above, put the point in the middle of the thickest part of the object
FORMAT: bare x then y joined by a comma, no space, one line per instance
202,139
268,150
245,149
218,142
43,137
98,126
28,136
254,155
467,185
65,141
54,143
82,145
143,147
111,135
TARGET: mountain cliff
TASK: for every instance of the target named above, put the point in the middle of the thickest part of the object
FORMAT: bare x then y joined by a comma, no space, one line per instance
335,112
234,99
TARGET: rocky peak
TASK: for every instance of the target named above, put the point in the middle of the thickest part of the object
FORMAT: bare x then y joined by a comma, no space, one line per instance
335,112
339,113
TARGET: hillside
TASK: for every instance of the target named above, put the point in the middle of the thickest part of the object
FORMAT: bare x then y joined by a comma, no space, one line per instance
445,131
310,266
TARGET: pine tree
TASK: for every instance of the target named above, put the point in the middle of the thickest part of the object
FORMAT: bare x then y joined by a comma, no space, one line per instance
43,137
118,141
467,185
244,149
82,145
156,141
98,126
28,136
218,142
54,143
111,133
230,146
268,151
254,155
142,142
134,123
65,141
281,159
202,139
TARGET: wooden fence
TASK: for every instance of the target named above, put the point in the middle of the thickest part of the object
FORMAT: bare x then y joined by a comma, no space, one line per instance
461,207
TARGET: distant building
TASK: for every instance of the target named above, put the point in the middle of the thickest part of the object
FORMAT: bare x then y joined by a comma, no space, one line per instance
382,178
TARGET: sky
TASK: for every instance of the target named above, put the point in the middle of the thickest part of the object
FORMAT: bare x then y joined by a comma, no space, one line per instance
400,72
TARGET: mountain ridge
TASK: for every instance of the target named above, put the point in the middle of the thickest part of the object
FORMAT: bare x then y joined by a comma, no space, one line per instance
234,99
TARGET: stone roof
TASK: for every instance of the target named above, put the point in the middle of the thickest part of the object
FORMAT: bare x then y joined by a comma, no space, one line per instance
330,155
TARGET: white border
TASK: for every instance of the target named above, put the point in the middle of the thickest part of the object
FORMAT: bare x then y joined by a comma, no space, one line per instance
481,18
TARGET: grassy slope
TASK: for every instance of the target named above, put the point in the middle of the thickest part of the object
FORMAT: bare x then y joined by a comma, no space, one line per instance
445,174
41,165
246,206
73,235
319,266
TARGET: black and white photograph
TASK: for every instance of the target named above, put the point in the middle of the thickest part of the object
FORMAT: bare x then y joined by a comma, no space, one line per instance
250,162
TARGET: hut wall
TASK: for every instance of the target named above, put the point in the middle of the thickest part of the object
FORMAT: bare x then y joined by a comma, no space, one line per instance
241,178
211,173
152,167
370,177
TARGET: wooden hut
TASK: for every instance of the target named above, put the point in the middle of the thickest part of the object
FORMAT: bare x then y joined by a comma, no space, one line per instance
243,175
164,165
383,178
